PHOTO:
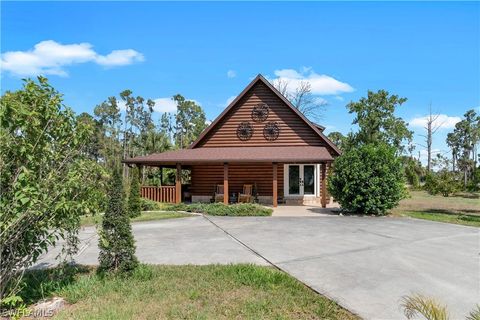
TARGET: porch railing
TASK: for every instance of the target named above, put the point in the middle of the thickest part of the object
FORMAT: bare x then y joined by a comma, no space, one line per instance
158,194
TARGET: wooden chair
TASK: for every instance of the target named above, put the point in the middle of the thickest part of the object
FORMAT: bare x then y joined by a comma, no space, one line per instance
246,195
219,193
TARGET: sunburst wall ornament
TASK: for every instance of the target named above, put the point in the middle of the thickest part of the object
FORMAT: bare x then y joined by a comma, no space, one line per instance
271,131
244,131
260,112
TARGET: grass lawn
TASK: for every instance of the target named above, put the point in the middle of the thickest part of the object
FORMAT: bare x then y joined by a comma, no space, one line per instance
467,220
145,216
184,292
463,208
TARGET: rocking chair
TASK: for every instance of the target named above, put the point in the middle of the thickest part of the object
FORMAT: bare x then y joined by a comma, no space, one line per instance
219,193
246,195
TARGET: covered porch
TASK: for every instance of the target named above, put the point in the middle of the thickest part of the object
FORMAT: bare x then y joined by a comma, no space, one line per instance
291,175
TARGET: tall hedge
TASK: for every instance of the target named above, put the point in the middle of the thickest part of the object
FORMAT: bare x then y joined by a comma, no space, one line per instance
117,245
134,204
368,179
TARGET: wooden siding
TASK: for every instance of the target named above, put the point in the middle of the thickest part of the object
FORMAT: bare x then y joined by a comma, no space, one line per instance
293,130
205,177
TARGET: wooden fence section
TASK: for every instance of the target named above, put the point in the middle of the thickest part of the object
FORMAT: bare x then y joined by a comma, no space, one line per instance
159,194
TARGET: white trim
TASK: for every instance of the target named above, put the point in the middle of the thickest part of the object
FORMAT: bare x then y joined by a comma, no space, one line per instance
301,194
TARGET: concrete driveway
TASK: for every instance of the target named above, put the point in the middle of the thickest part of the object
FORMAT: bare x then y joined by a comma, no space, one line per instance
366,264
191,240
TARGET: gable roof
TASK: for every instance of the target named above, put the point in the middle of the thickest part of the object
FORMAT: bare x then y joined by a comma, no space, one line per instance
260,78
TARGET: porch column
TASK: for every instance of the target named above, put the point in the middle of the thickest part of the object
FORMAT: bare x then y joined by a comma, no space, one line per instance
178,184
275,185
324,184
226,195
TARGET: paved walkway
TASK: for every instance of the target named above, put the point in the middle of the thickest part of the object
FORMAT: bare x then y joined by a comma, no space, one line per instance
366,264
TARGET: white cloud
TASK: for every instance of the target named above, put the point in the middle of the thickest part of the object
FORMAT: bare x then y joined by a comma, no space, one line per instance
339,98
164,105
443,121
161,105
320,101
121,105
50,58
120,58
231,74
321,84
229,100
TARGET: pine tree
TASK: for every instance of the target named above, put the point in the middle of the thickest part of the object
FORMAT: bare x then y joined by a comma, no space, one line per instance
117,245
134,205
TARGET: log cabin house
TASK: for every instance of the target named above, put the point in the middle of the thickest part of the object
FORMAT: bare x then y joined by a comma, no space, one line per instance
260,139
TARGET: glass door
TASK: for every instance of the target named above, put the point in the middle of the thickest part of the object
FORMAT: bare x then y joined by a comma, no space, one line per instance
308,179
300,179
294,179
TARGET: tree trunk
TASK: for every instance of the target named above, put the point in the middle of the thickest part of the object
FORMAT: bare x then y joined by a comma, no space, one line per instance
429,146
454,158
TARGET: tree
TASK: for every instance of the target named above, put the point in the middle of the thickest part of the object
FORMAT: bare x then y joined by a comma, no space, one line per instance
431,127
463,141
302,98
367,179
134,204
47,180
454,143
190,121
375,116
117,245
92,148
108,115
338,139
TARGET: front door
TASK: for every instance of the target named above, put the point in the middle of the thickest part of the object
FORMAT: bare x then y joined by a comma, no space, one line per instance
300,180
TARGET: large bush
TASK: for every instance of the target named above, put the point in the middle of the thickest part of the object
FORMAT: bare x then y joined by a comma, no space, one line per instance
367,180
46,180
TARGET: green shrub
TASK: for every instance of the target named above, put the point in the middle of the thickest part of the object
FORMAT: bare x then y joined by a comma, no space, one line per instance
134,204
367,180
220,209
116,243
149,205
431,184
412,177
474,183
442,182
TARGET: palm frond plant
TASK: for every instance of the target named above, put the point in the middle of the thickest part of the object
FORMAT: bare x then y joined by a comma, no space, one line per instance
418,305
474,314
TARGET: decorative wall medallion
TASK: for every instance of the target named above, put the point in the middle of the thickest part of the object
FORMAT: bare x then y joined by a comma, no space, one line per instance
260,112
244,131
271,131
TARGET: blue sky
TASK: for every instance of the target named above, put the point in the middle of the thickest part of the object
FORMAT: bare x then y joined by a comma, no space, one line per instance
425,51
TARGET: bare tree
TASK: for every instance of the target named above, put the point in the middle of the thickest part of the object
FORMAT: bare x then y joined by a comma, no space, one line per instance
302,98
431,127
282,86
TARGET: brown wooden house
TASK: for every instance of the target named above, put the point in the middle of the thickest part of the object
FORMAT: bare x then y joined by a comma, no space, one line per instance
259,140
